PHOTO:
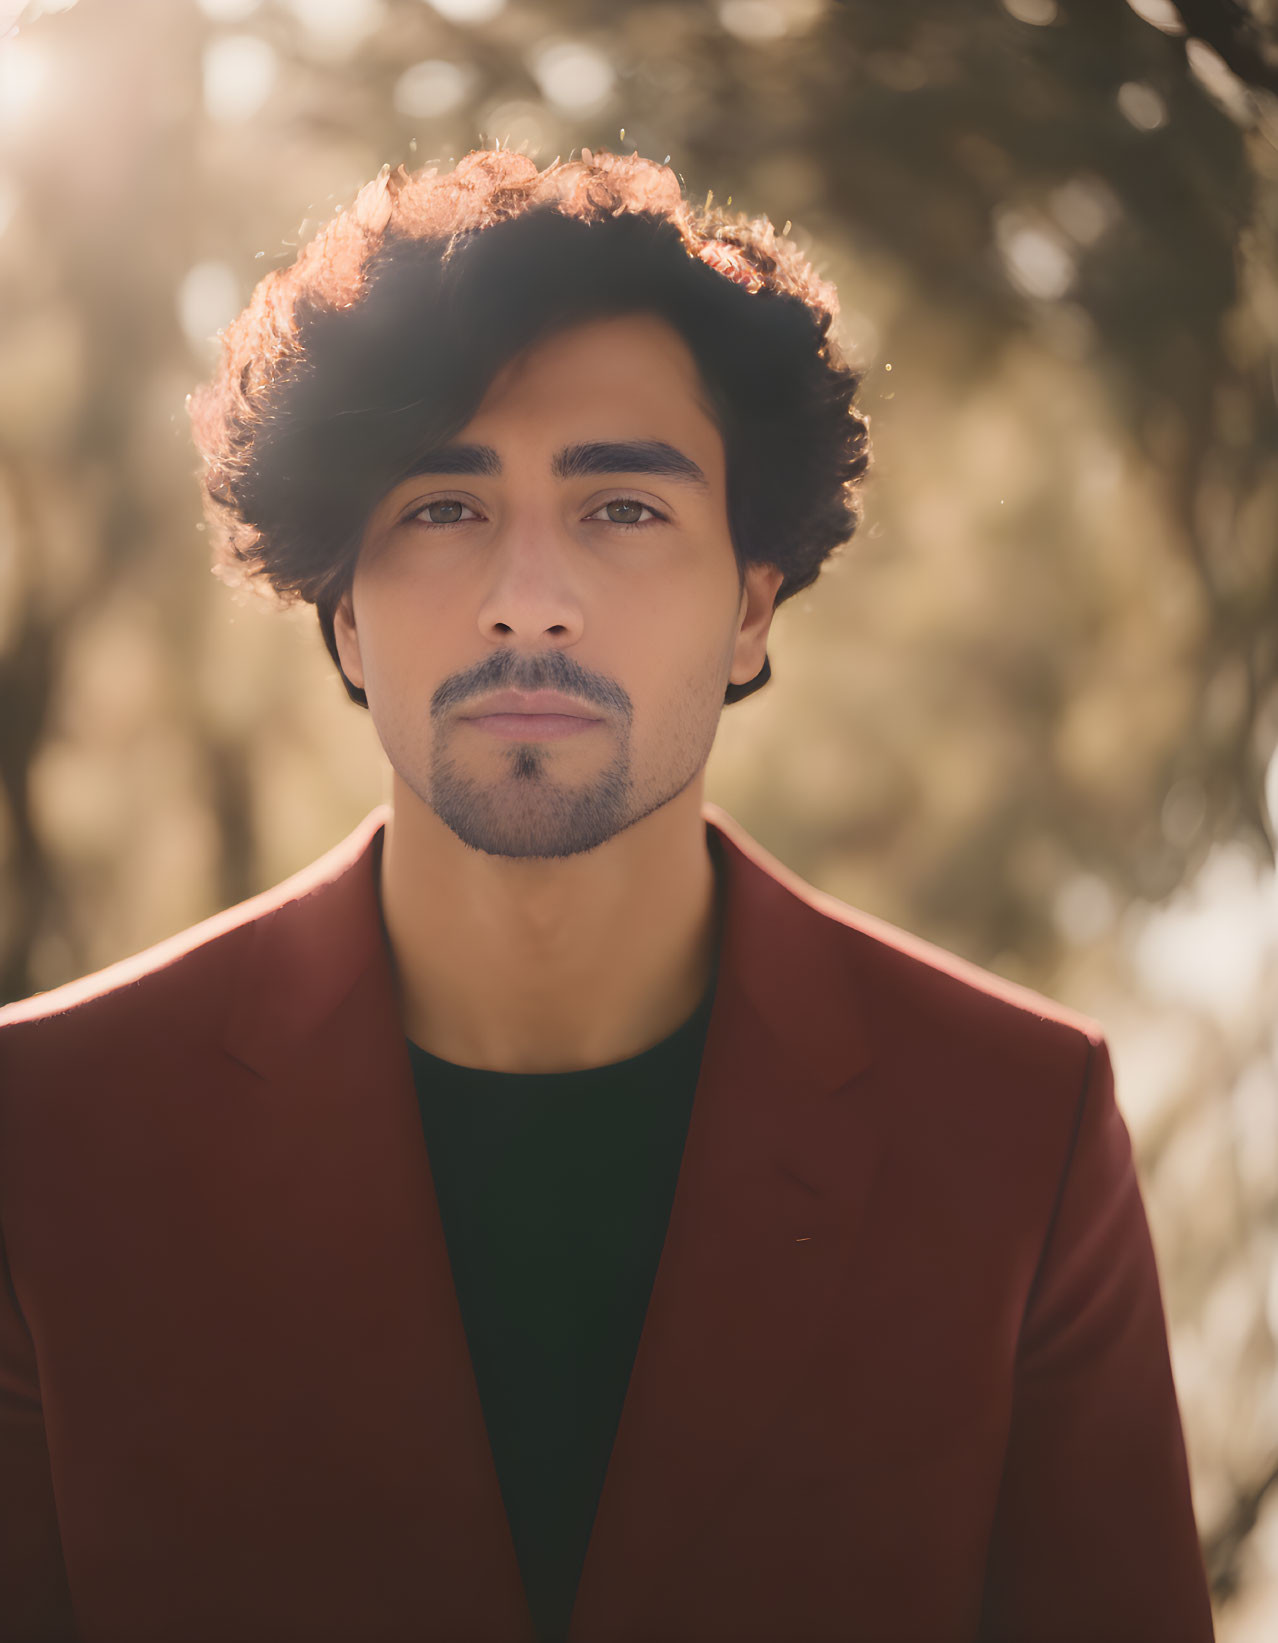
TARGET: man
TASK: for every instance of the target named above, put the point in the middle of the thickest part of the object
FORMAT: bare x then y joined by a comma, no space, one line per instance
545,1216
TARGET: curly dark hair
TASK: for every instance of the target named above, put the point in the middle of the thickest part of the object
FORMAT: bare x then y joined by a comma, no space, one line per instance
382,337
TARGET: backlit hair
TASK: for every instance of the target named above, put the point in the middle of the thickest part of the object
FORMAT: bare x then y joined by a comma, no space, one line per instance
381,337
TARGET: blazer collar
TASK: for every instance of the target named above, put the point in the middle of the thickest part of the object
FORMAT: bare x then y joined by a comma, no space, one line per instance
316,934
313,937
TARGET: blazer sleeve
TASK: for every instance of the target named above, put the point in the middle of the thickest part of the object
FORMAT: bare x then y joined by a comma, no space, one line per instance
35,1604
1094,1535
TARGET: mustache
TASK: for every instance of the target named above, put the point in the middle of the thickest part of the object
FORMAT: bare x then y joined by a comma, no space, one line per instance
544,670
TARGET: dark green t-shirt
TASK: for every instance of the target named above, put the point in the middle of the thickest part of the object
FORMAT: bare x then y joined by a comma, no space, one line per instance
555,1192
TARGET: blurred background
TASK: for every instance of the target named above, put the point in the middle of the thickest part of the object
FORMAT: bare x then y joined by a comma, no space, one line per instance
1030,712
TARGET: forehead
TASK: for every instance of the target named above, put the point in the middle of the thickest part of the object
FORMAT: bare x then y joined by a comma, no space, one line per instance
633,365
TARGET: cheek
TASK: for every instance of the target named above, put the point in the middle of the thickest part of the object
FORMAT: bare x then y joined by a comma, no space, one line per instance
682,673
685,615
402,623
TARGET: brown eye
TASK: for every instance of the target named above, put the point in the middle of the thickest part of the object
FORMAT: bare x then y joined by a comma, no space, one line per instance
631,508
451,518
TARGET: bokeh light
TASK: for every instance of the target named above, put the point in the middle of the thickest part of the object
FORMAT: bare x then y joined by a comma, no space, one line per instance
574,77
239,74
432,89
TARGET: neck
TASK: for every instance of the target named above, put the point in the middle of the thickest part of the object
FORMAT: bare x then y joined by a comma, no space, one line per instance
548,966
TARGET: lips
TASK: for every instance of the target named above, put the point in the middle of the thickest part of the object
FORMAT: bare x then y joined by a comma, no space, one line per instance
541,702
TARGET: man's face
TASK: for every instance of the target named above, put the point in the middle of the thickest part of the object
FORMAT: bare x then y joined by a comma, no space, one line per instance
536,558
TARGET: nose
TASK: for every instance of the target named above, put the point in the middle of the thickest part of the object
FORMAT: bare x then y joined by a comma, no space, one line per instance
531,591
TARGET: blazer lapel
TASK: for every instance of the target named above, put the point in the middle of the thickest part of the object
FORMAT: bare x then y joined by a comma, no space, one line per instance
380,1346
777,1171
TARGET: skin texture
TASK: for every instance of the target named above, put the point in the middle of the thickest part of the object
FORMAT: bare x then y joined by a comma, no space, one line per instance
550,903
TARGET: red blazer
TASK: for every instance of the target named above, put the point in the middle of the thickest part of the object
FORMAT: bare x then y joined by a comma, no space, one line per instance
904,1373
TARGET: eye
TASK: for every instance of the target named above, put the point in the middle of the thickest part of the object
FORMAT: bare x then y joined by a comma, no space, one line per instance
631,505
448,504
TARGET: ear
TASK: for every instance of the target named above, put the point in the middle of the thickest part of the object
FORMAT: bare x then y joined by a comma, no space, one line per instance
758,606
347,639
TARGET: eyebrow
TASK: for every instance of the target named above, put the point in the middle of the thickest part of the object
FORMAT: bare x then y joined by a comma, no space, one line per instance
602,456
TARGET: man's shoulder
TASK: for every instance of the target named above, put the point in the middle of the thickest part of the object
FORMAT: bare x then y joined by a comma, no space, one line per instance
895,962
185,974
902,983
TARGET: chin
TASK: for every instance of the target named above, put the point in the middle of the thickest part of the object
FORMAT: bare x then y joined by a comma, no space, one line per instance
525,816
